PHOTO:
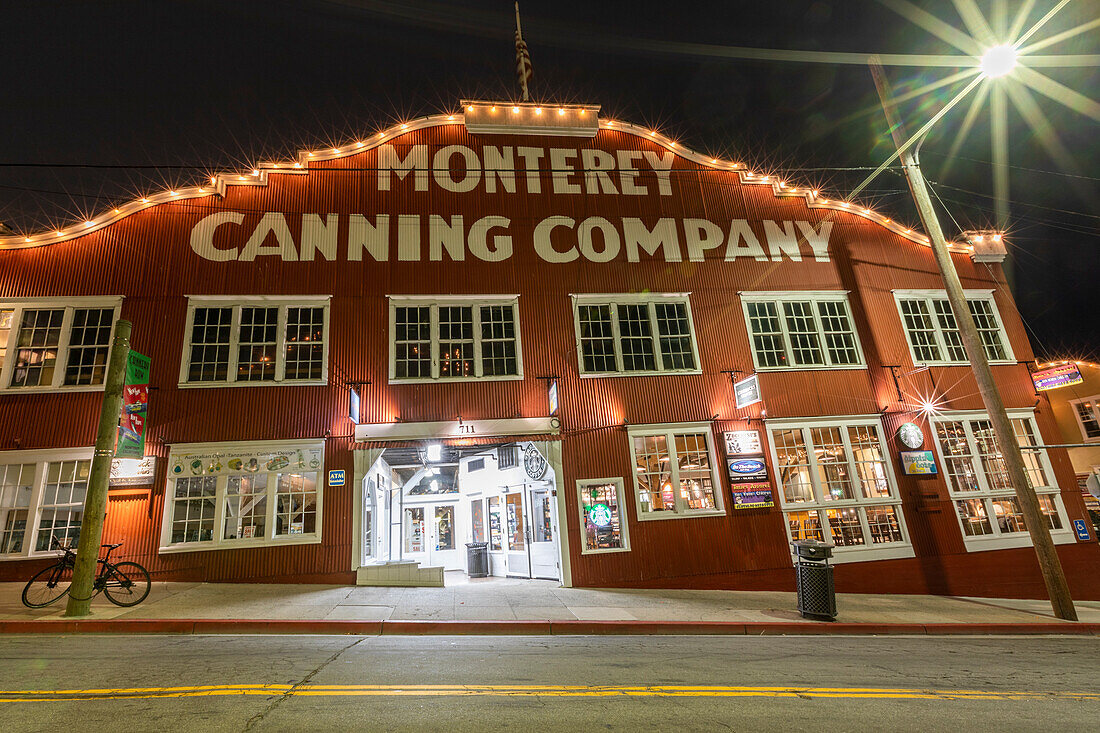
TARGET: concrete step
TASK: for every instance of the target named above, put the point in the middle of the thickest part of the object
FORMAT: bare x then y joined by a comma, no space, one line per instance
406,574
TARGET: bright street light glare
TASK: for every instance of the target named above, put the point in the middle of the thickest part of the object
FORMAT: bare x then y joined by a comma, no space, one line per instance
999,61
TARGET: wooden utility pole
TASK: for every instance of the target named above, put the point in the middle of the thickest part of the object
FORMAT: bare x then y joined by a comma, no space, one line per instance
1049,564
95,498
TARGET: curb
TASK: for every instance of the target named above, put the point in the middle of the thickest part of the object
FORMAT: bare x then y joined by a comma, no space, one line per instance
534,628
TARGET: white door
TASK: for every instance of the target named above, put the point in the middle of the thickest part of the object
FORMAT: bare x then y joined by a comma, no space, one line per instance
516,536
542,532
444,546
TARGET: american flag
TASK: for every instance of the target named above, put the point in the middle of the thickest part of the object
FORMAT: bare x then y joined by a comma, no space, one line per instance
523,64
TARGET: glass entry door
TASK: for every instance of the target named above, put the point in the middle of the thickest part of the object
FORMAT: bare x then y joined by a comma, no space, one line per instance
430,536
542,531
519,561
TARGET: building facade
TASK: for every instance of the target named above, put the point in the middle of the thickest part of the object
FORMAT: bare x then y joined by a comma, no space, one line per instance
529,327
1076,409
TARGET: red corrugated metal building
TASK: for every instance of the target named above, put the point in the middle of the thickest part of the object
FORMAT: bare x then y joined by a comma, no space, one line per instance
544,314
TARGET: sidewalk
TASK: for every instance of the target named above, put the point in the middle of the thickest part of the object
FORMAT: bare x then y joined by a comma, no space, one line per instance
500,605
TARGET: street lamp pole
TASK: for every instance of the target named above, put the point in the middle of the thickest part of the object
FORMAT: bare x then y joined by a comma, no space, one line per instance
1049,564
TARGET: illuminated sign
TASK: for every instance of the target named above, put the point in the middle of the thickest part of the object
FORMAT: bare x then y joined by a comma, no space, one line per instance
353,405
599,515
918,463
747,392
1062,375
133,471
742,442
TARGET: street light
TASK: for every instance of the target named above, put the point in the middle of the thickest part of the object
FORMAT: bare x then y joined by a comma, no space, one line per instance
998,61
1049,564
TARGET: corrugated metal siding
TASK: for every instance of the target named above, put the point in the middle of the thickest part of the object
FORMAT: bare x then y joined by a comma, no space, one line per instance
147,258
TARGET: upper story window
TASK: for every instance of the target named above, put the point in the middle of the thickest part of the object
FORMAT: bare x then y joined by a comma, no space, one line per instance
650,333
262,340
456,338
989,512
675,472
801,330
836,485
933,333
1087,412
61,344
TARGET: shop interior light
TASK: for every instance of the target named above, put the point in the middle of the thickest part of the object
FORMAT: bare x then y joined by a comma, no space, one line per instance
435,451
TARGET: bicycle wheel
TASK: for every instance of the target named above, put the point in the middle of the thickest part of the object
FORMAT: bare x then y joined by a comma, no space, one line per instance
48,585
127,584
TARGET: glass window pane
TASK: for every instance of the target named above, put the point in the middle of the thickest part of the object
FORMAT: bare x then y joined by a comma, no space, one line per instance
805,526
883,523
496,530
694,470
675,336
257,344
1033,463
845,527
296,504
802,331
413,529
7,318
1050,511
767,334
959,463
975,520
36,347
988,329
597,339
456,341
209,359
600,516
89,342
1089,413
412,342
1010,518
840,339
921,330
305,343
193,509
444,528
832,464
993,463
949,330
16,485
498,341
793,465
654,474
870,463
636,338
477,520
246,507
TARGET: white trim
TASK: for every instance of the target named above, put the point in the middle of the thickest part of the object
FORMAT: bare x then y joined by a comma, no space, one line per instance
986,494
41,460
854,553
814,298
670,430
433,303
236,303
1095,400
649,300
61,362
620,498
217,542
449,429
928,297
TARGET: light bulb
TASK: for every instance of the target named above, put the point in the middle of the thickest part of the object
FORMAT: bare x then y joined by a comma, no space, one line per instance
999,61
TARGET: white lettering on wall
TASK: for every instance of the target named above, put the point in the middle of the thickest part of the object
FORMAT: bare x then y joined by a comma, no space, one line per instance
202,236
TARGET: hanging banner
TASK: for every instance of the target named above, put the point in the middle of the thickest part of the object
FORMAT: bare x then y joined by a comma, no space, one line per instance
135,407
353,405
746,392
1062,375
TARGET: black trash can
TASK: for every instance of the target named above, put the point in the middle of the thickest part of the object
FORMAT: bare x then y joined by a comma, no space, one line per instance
816,592
477,559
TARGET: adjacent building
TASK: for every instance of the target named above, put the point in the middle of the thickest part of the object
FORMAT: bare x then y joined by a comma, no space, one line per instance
614,360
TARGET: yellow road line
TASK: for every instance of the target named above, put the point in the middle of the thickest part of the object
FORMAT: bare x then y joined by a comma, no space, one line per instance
312,690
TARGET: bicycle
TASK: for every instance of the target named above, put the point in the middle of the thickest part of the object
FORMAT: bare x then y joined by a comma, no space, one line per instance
125,583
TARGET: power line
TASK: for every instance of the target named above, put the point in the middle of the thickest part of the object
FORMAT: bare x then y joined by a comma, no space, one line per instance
1016,167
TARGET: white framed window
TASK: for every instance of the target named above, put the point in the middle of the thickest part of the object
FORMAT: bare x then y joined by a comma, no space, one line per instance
602,516
62,344
1087,412
801,330
41,497
933,334
454,338
675,471
261,340
836,485
226,495
635,334
988,511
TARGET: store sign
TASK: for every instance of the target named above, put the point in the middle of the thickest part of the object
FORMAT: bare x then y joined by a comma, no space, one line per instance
353,404
336,477
1081,527
135,407
746,470
133,471
742,442
552,397
1062,375
599,515
756,495
456,429
533,462
214,463
746,392
918,463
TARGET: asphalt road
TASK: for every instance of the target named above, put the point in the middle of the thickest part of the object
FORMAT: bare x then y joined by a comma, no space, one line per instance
298,683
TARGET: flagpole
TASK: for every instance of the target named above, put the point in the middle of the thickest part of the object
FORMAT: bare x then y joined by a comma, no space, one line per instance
519,39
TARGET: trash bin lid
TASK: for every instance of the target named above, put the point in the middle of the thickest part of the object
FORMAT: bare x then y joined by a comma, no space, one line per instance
812,548
477,545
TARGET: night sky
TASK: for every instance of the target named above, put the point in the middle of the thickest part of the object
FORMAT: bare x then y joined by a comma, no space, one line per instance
158,94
